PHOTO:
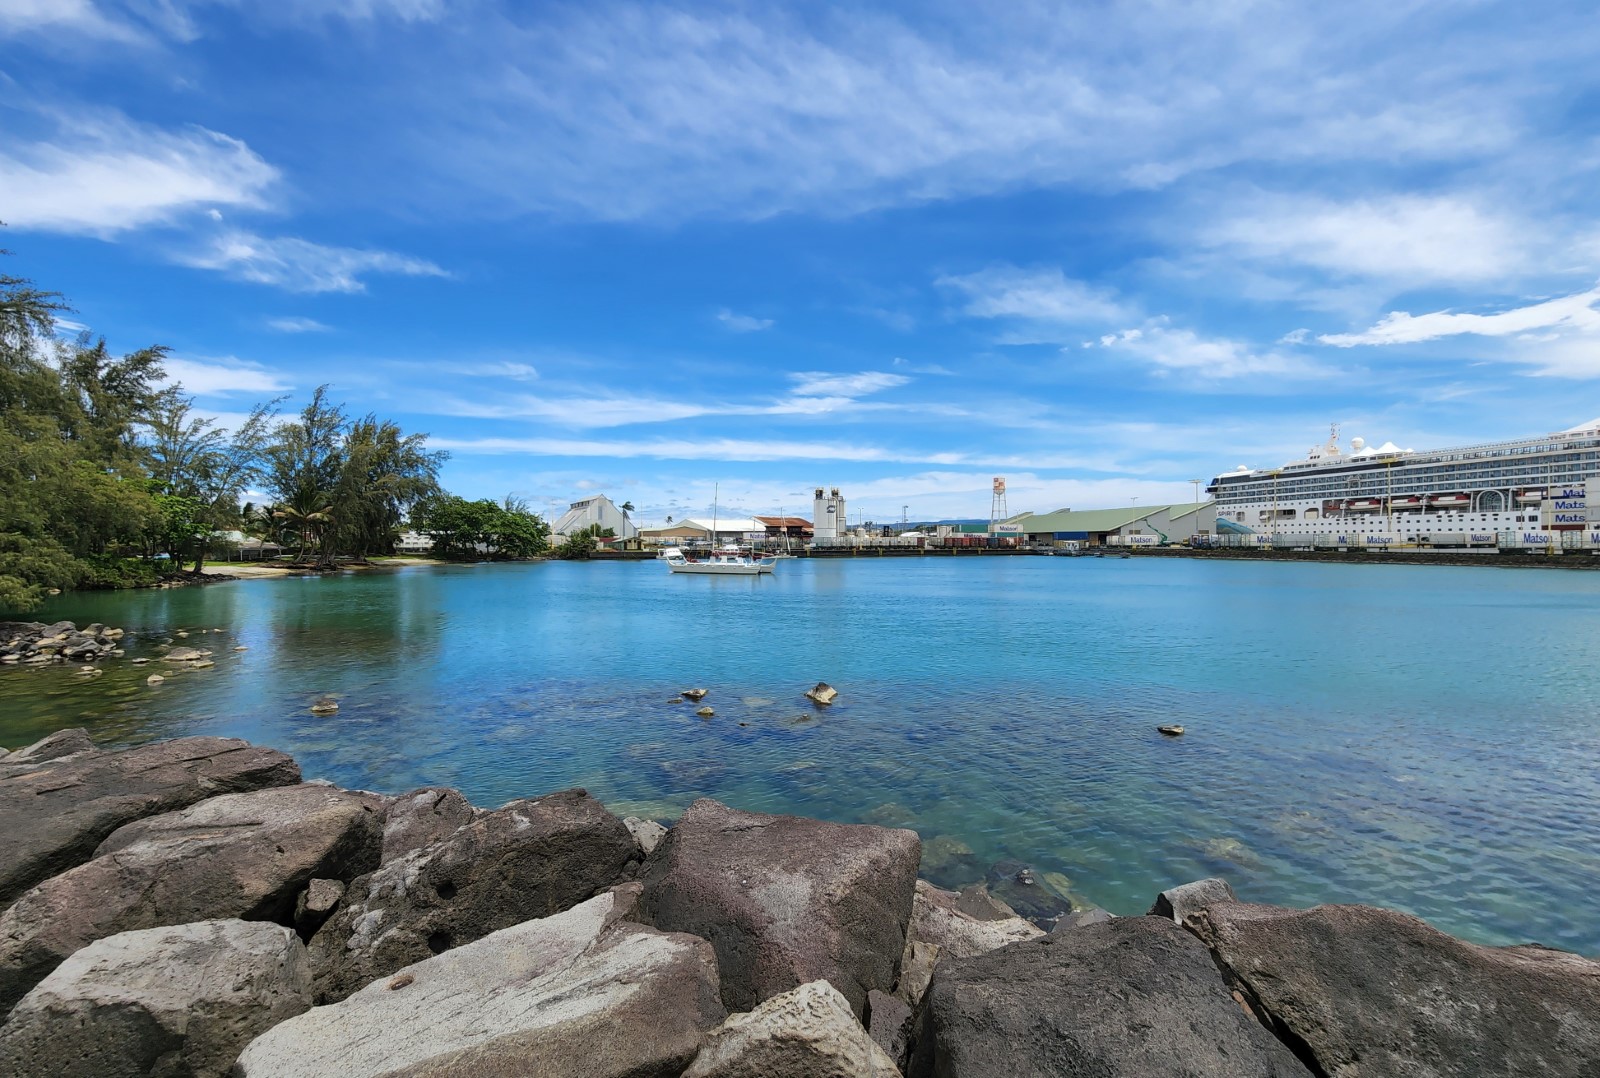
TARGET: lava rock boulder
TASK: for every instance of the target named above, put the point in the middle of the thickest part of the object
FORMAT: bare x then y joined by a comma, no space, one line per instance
528,859
179,1000
52,818
1137,996
579,994
785,900
1367,991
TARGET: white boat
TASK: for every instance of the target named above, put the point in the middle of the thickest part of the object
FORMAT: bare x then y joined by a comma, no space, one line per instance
726,561
718,563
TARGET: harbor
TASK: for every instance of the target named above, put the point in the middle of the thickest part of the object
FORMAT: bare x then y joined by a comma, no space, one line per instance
1351,735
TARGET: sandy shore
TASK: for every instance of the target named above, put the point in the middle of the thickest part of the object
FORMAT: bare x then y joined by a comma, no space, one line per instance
246,570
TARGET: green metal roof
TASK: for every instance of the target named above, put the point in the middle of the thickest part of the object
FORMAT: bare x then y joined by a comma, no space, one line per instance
1097,520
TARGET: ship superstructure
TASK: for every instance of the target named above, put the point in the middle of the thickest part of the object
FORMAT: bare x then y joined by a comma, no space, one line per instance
1461,496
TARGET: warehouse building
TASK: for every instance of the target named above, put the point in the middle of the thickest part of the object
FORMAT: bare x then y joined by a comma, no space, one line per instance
1135,525
583,515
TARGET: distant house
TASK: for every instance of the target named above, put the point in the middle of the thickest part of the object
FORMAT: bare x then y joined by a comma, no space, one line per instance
583,515
414,543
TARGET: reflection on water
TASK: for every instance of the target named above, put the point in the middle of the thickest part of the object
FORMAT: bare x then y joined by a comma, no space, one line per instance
1421,737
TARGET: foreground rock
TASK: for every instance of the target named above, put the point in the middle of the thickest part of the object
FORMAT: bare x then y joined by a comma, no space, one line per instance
181,1000
52,819
576,994
1373,992
1178,903
423,817
239,855
529,859
57,746
785,900
1137,996
965,924
807,1032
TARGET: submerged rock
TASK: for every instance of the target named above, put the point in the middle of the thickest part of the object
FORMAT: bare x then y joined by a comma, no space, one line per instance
52,819
176,1000
531,858
577,994
1136,997
1030,894
1370,991
807,1032
785,900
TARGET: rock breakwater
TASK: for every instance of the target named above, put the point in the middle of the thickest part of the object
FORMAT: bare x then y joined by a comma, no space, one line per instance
193,908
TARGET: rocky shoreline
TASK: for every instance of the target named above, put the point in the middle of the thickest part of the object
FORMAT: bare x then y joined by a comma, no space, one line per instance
192,907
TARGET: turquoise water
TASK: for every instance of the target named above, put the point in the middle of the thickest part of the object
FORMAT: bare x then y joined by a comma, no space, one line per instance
1414,736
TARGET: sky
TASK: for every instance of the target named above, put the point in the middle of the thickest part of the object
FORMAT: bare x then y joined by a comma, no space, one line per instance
664,250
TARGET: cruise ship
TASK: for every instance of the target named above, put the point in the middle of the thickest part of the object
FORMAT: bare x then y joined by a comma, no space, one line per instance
1526,493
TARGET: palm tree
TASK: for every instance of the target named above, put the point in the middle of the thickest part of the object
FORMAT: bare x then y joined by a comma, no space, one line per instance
310,514
626,507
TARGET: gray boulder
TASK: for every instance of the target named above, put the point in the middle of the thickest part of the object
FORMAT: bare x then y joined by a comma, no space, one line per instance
785,900
423,817
316,904
889,1024
1136,996
1177,903
239,855
1081,919
56,746
806,1032
1366,991
578,994
646,833
181,1000
947,920
52,818
529,859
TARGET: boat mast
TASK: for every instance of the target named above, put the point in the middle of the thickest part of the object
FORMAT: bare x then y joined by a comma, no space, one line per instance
715,490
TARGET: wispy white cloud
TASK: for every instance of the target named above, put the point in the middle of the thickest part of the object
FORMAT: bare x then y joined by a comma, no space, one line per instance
1175,350
146,22
297,325
860,384
632,111
1039,295
1399,327
743,323
298,265
101,174
213,377
80,18
1409,239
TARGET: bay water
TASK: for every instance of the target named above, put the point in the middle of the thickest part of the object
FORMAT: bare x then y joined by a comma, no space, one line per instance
1420,737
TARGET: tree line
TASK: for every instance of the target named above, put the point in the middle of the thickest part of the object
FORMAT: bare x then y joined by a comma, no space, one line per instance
109,477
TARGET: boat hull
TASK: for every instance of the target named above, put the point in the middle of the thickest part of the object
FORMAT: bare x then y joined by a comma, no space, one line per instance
708,569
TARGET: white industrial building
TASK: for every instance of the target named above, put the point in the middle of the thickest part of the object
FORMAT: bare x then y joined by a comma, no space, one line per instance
697,530
827,517
583,515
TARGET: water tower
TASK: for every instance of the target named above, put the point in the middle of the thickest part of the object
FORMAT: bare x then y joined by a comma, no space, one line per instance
997,503
827,514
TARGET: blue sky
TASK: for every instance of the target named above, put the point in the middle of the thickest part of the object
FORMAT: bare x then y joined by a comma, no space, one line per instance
1101,249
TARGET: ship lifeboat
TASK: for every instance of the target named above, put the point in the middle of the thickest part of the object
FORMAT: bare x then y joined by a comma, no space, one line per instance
1364,505
1406,501
1530,496
1450,501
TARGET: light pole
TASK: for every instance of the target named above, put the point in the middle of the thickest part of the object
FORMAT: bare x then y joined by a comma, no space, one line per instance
1196,483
